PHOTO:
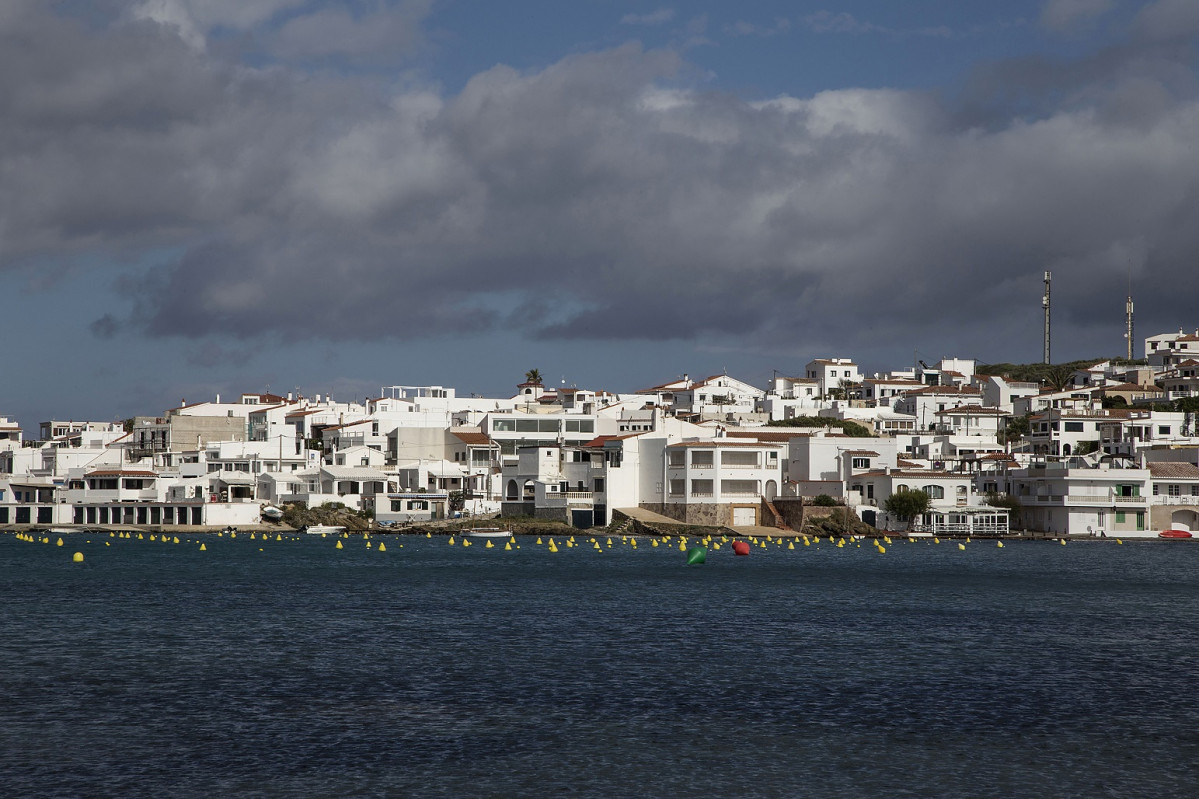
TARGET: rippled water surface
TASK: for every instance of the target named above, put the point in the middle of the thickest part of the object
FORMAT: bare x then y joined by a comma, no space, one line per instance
291,668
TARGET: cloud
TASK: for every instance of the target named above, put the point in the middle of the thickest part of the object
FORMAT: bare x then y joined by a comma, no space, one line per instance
1166,20
659,17
1064,15
844,23
387,31
598,198
743,28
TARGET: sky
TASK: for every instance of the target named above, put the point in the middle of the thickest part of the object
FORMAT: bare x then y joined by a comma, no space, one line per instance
217,196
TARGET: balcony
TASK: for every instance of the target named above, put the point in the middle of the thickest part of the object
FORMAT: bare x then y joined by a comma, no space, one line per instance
1165,499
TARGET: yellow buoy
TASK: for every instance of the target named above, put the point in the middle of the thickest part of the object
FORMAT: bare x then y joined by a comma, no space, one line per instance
489,545
882,550
59,542
1118,541
538,540
77,557
999,544
451,540
339,546
1063,541
507,546
961,546
382,547
936,540
175,540
654,542
465,542
203,548
368,544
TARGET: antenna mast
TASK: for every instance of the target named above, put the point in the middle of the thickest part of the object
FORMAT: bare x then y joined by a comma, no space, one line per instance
1128,318
1045,305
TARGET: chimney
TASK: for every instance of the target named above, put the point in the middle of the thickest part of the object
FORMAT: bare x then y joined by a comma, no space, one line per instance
218,399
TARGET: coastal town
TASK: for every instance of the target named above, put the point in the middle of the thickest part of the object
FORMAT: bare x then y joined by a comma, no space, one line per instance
1109,448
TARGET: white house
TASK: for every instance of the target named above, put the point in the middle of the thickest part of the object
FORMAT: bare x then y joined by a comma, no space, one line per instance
832,373
1074,498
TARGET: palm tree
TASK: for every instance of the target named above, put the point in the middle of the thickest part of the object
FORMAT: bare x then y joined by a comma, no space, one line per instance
533,376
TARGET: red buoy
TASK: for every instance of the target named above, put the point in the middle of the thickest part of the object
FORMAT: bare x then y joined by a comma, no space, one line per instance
740,548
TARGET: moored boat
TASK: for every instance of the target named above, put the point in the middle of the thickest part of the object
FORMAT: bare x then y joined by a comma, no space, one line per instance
1175,534
487,532
271,512
323,529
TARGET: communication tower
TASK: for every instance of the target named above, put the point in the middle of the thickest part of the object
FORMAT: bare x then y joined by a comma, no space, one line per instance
1045,305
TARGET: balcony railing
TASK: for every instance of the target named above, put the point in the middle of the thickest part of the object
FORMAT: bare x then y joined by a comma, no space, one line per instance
1166,499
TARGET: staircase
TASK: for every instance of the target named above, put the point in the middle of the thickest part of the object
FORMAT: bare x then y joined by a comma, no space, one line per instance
776,516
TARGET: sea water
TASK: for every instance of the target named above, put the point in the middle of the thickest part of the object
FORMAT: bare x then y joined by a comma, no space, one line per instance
292,668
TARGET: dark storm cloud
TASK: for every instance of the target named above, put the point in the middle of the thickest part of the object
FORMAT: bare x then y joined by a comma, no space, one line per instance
596,198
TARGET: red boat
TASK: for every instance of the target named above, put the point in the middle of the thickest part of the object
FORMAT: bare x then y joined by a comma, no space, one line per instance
1174,534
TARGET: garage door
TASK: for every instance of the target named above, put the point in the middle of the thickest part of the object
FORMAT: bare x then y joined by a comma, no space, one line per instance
745,517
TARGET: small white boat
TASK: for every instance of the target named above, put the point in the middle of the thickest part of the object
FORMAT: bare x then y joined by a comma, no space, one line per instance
271,512
487,532
323,529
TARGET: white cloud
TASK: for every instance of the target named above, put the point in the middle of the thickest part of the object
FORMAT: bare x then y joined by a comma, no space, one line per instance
604,198
659,17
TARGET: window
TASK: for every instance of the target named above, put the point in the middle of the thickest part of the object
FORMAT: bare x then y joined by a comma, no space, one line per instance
1074,427
678,458
935,491
1194,491
677,487
701,488
1163,429
1174,490
598,485
739,487
702,458
861,463
1157,489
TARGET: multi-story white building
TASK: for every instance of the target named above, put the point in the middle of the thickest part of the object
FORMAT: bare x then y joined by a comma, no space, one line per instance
832,373
721,482
1066,497
1166,350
